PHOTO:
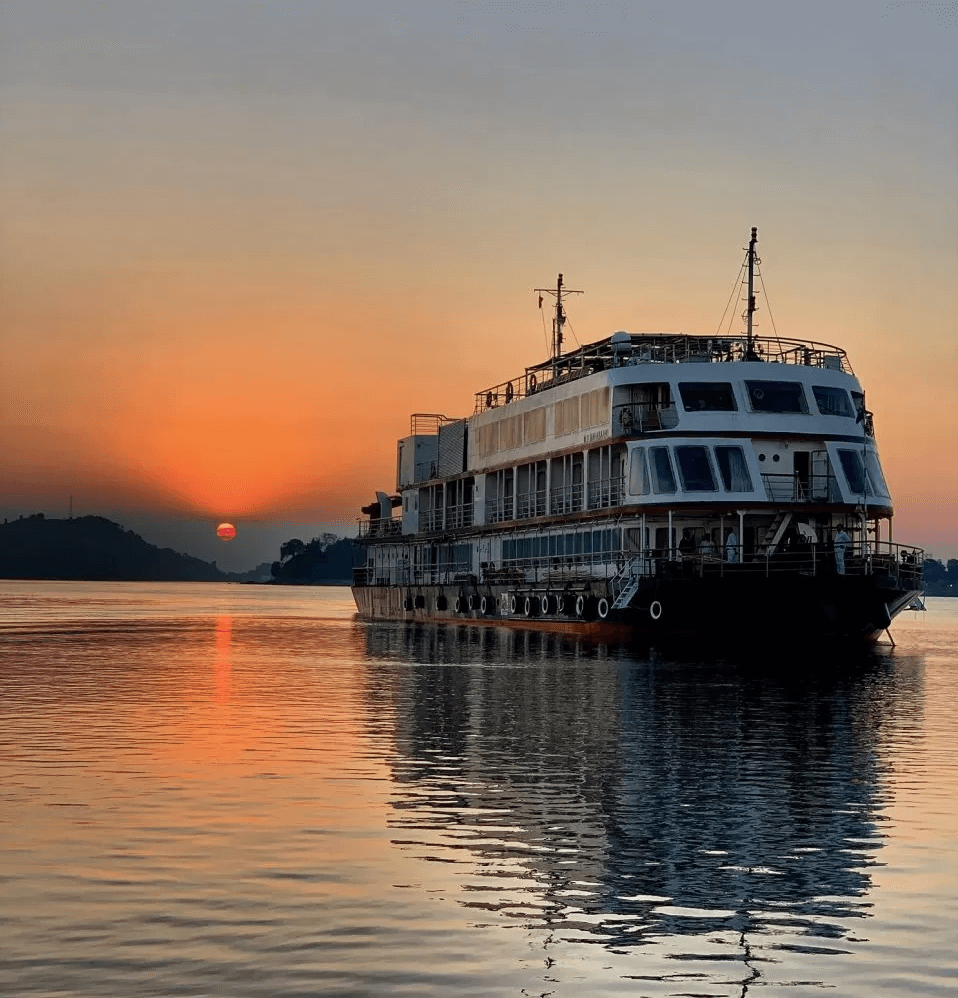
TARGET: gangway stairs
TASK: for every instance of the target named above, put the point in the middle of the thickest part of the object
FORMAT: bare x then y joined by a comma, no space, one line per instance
625,597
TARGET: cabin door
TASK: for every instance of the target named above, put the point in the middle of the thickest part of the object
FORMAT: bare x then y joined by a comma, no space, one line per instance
803,472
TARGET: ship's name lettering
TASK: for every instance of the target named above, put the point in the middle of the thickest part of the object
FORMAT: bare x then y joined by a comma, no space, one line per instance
598,435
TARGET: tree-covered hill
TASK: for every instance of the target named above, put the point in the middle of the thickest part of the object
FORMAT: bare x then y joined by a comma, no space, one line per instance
324,559
92,548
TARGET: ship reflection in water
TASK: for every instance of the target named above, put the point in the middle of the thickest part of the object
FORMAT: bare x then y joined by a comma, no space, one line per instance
626,799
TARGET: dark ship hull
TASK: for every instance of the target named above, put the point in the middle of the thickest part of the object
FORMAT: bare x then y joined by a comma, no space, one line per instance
736,603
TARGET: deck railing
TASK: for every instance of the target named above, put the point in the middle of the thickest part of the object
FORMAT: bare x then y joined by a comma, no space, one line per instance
662,348
566,499
380,528
802,488
607,492
529,504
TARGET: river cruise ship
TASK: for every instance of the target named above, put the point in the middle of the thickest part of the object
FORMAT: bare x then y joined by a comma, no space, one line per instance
648,483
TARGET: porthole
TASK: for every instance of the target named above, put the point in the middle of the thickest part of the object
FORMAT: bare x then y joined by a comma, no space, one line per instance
761,457
775,457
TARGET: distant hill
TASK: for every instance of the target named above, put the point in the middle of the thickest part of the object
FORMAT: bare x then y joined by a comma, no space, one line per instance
95,549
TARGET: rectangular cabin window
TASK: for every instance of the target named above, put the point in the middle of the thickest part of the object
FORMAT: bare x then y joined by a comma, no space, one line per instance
639,473
733,469
695,469
832,401
776,396
663,477
707,396
854,472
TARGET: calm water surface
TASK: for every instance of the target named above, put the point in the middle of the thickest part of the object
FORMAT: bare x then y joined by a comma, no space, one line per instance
238,790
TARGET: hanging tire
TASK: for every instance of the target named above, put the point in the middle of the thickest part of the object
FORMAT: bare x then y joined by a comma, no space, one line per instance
655,610
441,602
603,608
420,601
407,603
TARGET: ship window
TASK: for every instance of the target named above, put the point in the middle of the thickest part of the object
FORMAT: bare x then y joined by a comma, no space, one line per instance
776,396
707,396
733,469
854,472
832,401
876,480
663,477
695,469
639,473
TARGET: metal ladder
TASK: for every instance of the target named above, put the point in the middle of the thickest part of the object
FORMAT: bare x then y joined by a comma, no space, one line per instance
630,583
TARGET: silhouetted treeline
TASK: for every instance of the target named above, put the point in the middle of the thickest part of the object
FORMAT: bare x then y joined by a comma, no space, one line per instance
941,579
326,558
92,548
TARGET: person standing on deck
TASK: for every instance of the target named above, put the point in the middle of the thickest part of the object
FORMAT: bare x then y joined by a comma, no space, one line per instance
731,547
842,540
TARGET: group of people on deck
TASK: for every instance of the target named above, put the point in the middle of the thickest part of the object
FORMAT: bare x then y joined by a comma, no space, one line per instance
707,548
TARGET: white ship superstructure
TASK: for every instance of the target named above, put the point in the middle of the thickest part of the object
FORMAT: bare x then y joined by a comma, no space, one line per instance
647,481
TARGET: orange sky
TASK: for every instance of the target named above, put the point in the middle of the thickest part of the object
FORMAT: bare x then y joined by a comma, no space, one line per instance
238,253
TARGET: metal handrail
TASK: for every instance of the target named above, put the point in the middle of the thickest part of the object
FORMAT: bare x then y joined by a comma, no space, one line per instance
663,348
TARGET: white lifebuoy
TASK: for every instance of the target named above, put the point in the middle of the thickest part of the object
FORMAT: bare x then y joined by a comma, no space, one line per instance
580,606
529,607
513,603
544,606
655,609
471,601
603,608
484,605
458,604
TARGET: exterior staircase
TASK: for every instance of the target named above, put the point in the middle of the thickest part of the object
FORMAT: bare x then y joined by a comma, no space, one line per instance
625,585
776,531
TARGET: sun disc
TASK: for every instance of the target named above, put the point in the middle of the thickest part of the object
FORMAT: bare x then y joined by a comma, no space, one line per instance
226,531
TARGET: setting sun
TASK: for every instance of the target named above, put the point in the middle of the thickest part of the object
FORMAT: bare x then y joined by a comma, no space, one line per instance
226,531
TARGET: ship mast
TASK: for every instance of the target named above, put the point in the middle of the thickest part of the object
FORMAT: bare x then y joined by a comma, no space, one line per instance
558,318
750,311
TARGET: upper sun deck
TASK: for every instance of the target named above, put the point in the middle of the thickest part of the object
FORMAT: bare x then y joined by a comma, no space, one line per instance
639,349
